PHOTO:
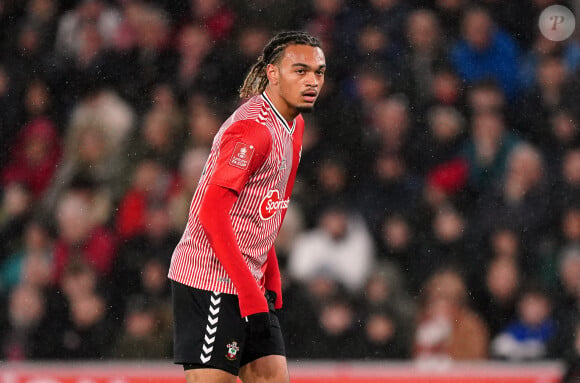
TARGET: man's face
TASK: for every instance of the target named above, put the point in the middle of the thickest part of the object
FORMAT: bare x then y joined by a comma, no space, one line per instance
299,76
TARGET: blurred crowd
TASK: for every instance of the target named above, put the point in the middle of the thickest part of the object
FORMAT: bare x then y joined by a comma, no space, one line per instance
436,214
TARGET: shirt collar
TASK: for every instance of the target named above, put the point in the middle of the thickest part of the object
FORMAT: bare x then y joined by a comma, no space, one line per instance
289,129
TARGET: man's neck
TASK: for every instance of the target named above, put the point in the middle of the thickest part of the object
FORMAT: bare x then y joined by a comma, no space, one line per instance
282,106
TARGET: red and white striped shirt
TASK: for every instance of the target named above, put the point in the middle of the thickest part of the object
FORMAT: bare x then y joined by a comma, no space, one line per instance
256,153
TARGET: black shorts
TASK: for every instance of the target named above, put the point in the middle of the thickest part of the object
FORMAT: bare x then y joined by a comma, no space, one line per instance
209,332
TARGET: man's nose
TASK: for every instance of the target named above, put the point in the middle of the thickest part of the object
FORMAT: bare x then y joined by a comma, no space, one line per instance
311,79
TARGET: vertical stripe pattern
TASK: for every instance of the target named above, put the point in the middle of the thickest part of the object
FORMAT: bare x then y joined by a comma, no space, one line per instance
193,262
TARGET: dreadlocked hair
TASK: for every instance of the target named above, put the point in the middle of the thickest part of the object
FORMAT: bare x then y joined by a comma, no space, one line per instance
256,79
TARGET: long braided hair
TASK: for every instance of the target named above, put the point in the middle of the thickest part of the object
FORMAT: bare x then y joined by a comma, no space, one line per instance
256,79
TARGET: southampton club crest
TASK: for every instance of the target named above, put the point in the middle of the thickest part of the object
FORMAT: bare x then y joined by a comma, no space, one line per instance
233,349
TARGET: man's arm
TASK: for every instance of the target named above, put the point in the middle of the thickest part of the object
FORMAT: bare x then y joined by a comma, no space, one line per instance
215,219
228,179
272,278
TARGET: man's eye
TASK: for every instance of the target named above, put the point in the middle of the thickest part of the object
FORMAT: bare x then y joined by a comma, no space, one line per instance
300,71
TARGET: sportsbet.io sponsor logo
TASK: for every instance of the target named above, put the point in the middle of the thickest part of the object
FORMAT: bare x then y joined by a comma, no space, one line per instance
557,23
272,203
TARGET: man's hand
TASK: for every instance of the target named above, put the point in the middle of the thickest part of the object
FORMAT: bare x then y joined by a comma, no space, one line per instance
258,326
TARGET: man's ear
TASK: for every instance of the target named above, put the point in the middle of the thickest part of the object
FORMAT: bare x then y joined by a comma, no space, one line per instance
273,74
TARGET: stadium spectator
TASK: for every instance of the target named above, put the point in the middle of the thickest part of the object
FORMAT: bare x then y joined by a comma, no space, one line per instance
383,336
426,52
566,302
541,102
528,335
486,51
496,300
326,20
450,12
393,128
191,166
203,121
566,182
150,59
443,245
24,53
93,146
329,185
339,334
159,138
391,188
195,66
142,249
21,338
35,155
518,202
447,327
398,244
299,325
446,87
442,137
339,247
485,96
95,12
215,16
16,209
141,337
81,237
31,264
572,372
9,107
387,314
486,150
542,47
84,325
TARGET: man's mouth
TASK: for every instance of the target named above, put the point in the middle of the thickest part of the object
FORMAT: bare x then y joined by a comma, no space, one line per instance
310,95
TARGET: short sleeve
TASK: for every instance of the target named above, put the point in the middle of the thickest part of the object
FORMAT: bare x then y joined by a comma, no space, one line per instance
243,149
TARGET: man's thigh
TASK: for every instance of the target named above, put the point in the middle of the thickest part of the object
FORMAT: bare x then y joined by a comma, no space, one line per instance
267,369
208,331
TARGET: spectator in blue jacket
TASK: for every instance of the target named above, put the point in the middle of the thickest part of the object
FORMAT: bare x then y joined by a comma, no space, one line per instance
486,51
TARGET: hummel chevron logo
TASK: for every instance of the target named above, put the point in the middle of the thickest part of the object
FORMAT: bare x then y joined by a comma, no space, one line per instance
211,328
211,320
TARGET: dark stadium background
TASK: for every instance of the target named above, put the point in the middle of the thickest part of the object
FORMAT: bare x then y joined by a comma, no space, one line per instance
436,218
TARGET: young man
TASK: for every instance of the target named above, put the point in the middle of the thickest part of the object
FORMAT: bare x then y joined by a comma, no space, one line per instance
224,271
